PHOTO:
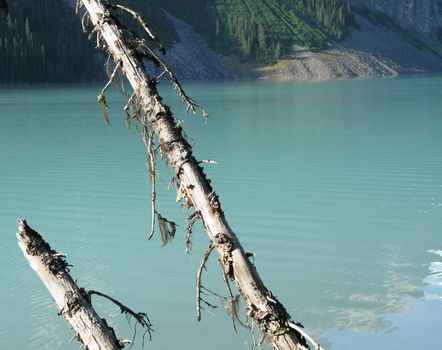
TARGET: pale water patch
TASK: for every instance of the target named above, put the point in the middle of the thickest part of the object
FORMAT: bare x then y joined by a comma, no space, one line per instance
416,325
438,252
433,288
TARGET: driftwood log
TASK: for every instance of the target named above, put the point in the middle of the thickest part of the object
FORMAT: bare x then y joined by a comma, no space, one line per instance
72,302
272,319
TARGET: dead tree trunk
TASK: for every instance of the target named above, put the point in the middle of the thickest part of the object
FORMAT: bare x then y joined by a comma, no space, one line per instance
267,312
72,303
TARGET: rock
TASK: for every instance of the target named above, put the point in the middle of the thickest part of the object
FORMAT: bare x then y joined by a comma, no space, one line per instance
423,17
191,58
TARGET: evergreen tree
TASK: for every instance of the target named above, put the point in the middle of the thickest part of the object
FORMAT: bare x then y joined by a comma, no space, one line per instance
38,46
278,51
28,32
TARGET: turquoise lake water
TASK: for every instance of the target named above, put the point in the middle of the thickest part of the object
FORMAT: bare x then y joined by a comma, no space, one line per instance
335,186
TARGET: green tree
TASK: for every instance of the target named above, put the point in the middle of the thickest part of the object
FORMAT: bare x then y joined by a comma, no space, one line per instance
32,51
28,32
277,55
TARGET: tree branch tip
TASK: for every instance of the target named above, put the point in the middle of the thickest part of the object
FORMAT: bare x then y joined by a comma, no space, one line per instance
207,161
124,342
22,224
304,334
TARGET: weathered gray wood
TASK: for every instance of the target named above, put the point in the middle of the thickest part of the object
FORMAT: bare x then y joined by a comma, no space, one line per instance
91,330
266,311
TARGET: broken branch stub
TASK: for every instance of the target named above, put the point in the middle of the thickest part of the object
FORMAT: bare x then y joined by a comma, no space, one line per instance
73,302
267,312
92,331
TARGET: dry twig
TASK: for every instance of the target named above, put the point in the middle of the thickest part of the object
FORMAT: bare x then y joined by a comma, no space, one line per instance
198,280
140,317
191,219
142,22
102,95
152,174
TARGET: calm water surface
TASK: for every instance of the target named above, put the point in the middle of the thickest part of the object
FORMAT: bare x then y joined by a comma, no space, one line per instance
335,186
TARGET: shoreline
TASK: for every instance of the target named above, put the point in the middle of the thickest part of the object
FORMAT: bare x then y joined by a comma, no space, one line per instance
260,79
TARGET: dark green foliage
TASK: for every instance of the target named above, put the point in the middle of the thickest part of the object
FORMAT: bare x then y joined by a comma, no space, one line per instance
42,41
331,14
263,30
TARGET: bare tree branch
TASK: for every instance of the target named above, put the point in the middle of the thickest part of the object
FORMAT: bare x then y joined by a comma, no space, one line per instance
72,303
140,317
102,95
198,280
152,174
142,22
191,219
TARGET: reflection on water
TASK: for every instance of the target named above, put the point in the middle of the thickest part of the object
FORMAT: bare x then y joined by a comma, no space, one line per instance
417,321
367,315
334,186
433,288
368,312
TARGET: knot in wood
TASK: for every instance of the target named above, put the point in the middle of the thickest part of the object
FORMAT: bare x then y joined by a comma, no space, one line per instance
222,240
112,331
177,156
270,324
73,304
273,319
160,114
261,317
185,154
278,317
182,193
86,295
56,263
214,201
102,17
224,245
36,246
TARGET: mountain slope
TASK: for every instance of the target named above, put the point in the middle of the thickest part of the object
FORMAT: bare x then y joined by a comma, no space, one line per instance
371,50
262,30
423,17
192,51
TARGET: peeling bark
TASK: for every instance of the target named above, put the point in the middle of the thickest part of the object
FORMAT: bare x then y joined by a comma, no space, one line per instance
72,302
262,306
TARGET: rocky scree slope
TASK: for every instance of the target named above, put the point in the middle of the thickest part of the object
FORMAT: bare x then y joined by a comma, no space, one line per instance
374,46
369,51
423,17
